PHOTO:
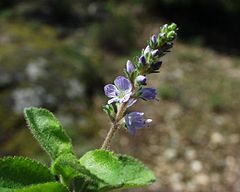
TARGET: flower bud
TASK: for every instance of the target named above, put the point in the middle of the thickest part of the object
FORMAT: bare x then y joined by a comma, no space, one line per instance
129,66
154,39
155,53
172,27
157,65
141,79
142,60
148,93
168,46
171,35
147,50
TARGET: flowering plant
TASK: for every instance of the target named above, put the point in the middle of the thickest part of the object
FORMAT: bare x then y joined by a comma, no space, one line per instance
98,170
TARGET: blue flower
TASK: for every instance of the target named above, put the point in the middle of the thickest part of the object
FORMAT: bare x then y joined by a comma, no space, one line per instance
129,67
120,92
135,120
148,93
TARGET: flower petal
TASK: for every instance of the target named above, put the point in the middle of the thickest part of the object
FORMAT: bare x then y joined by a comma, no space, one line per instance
123,84
134,121
110,90
115,99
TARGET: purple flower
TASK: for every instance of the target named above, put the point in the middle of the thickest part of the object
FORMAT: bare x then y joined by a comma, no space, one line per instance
157,65
154,39
119,92
142,60
141,79
135,120
148,93
129,66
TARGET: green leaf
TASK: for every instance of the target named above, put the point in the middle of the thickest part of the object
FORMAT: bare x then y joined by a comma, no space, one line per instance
45,187
48,131
73,173
17,172
118,171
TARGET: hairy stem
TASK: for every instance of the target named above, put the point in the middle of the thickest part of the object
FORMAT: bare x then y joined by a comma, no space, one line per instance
108,139
114,127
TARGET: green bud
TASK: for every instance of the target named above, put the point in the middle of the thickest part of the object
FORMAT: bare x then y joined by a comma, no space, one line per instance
172,27
171,35
109,109
164,28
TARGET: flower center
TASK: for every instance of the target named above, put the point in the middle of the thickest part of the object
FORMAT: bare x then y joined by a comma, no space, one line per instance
121,94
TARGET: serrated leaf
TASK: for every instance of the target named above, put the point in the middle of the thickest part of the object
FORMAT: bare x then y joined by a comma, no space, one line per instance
45,187
48,131
17,172
118,171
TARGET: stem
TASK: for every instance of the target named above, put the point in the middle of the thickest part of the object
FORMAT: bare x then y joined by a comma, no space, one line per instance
114,127
108,139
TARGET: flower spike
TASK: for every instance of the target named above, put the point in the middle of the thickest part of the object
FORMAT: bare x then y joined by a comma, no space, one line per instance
127,90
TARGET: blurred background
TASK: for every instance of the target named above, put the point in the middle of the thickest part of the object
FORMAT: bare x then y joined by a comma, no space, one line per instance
58,54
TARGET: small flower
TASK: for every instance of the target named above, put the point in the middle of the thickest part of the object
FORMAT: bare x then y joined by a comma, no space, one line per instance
148,93
129,66
142,60
120,92
157,65
154,39
141,79
135,120
147,50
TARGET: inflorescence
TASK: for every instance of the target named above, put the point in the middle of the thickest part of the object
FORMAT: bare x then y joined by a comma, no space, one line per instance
127,89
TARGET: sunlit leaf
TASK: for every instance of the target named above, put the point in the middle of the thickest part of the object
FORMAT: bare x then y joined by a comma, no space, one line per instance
48,131
118,171
17,172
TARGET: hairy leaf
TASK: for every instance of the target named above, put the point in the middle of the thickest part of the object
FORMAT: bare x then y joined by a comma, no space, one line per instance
48,131
72,172
118,171
17,172
45,187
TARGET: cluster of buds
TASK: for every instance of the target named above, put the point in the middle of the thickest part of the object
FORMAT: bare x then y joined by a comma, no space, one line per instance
127,89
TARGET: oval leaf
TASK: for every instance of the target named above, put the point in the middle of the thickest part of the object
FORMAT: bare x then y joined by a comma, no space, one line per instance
17,172
48,131
118,171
